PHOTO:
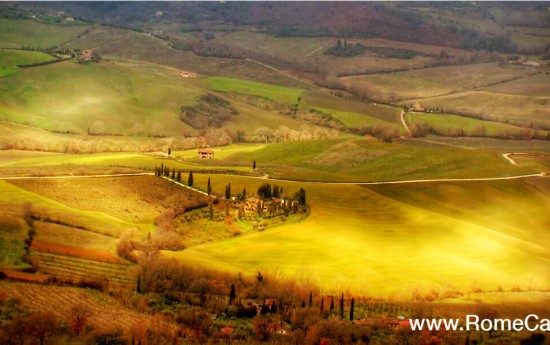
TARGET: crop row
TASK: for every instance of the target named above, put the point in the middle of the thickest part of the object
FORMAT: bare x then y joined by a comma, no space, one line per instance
104,311
76,269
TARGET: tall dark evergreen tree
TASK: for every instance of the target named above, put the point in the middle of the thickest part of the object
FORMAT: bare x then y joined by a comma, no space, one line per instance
244,194
169,151
342,307
322,304
190,179
310,299
351,309
173,173
254,165
232,293
228,191
275,193
208,187
178,178
331,303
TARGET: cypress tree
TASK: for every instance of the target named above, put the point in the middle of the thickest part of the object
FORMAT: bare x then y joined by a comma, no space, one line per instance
232,293
161,168
342,307
244,193
228,191
209,188
173,173
351,309
169,151
310,299
331,303
190,179
322,304
179,176
254,165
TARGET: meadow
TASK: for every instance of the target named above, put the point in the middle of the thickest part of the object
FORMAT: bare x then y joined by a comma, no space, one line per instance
364,239
10,59
271,92
138,199
452,125
17,33
527,111
361,160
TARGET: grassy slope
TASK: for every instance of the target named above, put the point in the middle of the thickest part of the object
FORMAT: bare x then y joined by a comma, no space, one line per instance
538,85
17,33
132,45
496,106
69,96
325,99
449,124
361,240
362,160
429,82
272,92
9,59
97,220
73,96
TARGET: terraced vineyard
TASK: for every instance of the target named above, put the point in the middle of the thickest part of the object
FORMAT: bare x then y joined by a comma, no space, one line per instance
105,312
77,269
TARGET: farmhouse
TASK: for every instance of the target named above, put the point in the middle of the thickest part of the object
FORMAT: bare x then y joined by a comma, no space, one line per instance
205,153
418,107
86,55
185,74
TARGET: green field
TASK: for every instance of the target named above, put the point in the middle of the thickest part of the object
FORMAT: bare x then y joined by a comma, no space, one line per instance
17,33
330,100
364,160
370,241
355,120
271,92
452,125
10,59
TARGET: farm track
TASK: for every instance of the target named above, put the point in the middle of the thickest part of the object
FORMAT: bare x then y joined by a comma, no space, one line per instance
513,177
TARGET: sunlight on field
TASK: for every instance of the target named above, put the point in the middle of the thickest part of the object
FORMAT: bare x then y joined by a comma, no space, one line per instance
272,92
359,240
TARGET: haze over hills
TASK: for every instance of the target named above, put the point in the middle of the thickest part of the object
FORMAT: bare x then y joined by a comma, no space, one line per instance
272,172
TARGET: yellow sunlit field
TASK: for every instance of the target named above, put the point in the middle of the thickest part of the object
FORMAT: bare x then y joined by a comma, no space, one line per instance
273,172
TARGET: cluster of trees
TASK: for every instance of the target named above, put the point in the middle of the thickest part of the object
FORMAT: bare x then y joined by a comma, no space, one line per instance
345,50
211,111
284,134
95,145
164,170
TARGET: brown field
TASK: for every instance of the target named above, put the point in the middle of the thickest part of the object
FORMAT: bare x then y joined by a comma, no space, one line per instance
310,51
435,81
78,252
78,269
26,277
106,312
70,236
537,85
112,42
513,109
138,199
